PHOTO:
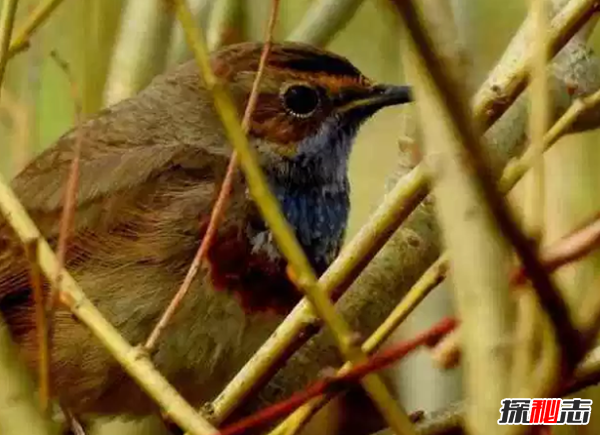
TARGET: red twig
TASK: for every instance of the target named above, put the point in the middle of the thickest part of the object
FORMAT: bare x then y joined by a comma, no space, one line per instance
44,314
221,203
70,195
567,250
341,381
41,324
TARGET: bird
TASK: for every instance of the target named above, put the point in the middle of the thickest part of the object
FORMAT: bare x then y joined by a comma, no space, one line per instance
150,171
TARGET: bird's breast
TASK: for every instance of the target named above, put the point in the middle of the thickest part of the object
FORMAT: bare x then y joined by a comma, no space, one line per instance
257,278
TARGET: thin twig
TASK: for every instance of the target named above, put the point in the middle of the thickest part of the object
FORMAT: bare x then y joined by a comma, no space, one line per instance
550,297
515,169
220,205
9,12
280,228
446,353
526,339
178,50
496,96
538,121
70,197
41,326
344,378
66,222
568,249
528,320
33,22
546,377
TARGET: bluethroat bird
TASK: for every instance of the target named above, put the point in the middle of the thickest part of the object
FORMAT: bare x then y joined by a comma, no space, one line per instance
151,168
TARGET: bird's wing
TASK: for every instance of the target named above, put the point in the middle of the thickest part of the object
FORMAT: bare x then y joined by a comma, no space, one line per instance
124,156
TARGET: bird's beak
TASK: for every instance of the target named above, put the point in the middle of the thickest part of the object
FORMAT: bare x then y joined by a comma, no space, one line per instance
377,97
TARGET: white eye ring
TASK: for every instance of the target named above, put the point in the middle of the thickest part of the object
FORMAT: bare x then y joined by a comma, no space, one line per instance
299,99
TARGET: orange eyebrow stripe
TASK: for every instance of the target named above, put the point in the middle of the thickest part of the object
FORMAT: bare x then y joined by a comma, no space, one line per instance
333,83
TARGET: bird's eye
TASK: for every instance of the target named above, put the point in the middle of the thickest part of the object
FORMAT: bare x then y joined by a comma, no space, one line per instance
300,100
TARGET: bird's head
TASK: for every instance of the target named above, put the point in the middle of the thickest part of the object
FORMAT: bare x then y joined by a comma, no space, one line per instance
310,106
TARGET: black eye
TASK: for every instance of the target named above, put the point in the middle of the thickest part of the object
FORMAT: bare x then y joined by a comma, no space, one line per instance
300,100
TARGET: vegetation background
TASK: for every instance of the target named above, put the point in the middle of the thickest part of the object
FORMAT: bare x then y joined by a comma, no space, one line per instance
115,47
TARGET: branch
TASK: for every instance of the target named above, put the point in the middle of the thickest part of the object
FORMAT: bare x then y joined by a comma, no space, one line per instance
34,21
7,21
568,249
538,121
478,256
503,87
178,50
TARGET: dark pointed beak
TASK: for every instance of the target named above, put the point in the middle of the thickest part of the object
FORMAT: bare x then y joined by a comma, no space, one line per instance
378,97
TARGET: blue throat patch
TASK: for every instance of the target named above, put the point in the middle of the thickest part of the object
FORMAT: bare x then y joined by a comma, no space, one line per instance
313,190
319,217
